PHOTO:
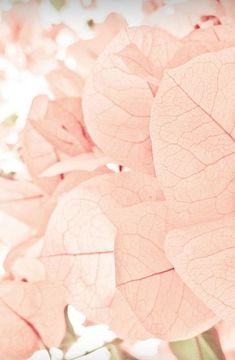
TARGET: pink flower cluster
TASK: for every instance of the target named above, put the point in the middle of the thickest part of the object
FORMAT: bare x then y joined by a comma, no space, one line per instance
149,248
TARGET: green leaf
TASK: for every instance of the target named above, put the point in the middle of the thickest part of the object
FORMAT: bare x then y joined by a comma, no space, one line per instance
202,347
10,120
114,353
57,4
117,352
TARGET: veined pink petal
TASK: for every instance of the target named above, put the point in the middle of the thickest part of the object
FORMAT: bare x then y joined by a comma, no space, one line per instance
139,65
203,256
60,122
79,243
117,103
192,131
55,129
33,312
164,305
124,319
25,248
105,243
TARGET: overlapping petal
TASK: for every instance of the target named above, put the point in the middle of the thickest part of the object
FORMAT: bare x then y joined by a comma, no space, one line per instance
32,316
105,242
55,129
203,256
192,132
117,102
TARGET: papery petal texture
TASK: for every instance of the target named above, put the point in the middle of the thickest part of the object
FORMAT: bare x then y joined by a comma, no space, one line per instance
105,242
55,129
79,242
203,256
32,313
164,305
117,102
192,132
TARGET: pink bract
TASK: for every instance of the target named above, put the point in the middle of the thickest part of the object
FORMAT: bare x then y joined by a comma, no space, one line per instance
30,311
117,101
117,258
125,209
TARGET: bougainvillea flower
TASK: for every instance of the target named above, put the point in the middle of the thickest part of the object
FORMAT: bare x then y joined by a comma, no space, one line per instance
136,227
150,250
105,243
115,110
192,130
25,202
117,101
